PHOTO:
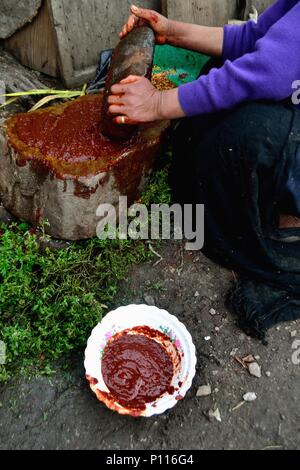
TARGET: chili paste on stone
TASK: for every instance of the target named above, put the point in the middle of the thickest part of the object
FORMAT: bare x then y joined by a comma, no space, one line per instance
137,369
66,138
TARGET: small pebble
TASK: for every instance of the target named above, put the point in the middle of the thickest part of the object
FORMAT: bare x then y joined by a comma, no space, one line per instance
149,300
217,329
207,338
197,294
268,374
234,352
215,414
250,397
213,312
255,370
294,334
204,391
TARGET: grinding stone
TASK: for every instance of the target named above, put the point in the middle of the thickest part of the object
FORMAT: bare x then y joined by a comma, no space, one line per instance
133,56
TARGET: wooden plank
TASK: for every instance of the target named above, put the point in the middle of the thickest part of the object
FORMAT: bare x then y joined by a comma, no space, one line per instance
35,44
15,14
204,12
84,28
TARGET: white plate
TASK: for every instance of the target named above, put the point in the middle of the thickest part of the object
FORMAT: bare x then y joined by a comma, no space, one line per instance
137,316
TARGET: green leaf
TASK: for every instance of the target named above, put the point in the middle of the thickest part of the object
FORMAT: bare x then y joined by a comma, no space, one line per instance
8,102
47,99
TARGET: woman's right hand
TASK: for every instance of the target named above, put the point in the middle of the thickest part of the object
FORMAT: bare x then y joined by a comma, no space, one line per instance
142,17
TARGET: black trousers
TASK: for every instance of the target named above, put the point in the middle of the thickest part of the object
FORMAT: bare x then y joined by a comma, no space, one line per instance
237,165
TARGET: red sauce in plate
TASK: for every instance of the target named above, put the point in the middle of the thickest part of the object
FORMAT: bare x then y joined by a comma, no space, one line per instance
137,370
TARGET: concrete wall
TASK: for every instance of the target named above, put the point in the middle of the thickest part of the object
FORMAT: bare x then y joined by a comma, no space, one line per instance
210,12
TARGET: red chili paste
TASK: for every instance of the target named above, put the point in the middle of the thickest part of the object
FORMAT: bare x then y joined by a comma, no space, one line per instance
67,137
66,141
137,370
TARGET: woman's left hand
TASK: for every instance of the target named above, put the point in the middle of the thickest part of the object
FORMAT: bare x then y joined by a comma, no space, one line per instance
135,100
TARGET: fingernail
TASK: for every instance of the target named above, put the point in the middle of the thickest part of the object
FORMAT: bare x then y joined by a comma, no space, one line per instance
134,8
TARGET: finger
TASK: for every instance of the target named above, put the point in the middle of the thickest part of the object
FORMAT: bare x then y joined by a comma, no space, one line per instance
116,109
115,99
118,89
130,79
145,14
129,26
125,120
132,22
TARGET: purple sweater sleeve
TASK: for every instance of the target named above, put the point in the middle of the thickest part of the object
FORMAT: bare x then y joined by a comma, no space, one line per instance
266,73
239,40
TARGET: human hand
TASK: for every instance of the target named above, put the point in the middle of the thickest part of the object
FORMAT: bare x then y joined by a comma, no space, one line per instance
143,17
134,101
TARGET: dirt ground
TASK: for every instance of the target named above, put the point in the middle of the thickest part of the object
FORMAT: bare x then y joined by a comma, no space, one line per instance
62,413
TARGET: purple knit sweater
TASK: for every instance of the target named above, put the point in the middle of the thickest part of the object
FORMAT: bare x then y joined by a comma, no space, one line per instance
261,61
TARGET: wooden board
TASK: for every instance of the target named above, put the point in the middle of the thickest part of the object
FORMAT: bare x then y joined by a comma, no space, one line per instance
84,28
15,14
204,12
35,44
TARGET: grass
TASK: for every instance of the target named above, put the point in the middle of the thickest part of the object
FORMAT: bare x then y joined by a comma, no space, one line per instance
51,299
49,95
157,287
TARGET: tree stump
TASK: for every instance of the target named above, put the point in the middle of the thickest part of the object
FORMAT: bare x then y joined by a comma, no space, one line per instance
56,166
